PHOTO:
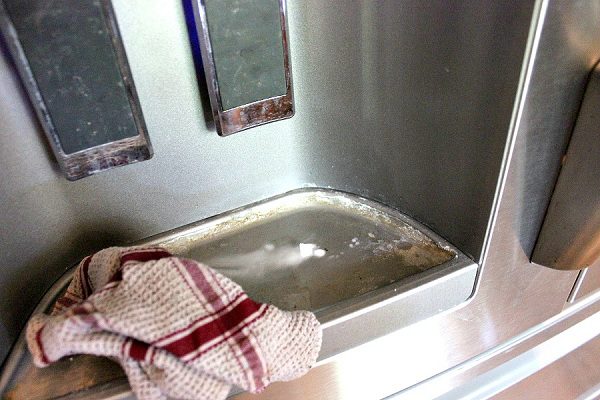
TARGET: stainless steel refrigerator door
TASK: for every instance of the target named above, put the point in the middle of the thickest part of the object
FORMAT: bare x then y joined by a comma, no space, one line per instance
416,80
399,102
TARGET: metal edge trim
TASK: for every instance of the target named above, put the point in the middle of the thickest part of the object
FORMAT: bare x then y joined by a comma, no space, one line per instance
435,381
576,286
393,293
302,193
528,363
462,281
531,49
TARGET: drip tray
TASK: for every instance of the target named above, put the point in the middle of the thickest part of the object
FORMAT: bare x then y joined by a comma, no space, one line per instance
365,269
311,250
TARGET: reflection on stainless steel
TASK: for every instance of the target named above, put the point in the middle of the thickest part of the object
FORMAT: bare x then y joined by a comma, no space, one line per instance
573,294
575,376
591,282
378,271
504,353
531,49
570,236
228,121
528,363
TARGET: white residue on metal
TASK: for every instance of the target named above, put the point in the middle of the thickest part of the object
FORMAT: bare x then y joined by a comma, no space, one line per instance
319,252
308,250
261,259
268,257
269,247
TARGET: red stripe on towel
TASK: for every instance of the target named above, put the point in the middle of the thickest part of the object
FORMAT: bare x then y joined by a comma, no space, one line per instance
83,278
38,339
210,294
212,330
213,299
147,255
81,309
65,302
225,337
140,256
138,350
86,275
117,276
199,320
249,352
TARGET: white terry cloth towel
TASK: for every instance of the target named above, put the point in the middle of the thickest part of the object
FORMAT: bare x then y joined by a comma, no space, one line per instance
178,328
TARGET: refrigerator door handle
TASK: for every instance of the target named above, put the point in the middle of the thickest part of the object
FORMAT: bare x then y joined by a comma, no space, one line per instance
570,234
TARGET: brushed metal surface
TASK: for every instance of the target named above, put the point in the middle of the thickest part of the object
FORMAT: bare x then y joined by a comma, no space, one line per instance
569,378
514,294
568,50
501,354
530,362
570,235
403,103
389,105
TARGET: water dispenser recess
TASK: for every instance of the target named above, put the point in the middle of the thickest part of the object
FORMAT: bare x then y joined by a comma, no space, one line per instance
244,48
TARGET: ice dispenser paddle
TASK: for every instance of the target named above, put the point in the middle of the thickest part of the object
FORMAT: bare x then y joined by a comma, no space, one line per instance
245,55
74,68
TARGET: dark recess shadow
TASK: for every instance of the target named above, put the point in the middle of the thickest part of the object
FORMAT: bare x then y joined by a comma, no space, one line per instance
188,10
27,285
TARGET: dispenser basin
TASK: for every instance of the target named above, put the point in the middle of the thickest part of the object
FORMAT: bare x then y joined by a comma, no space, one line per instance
365,269
309,250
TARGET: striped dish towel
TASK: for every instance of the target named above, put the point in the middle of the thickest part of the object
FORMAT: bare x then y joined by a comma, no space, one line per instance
177,327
